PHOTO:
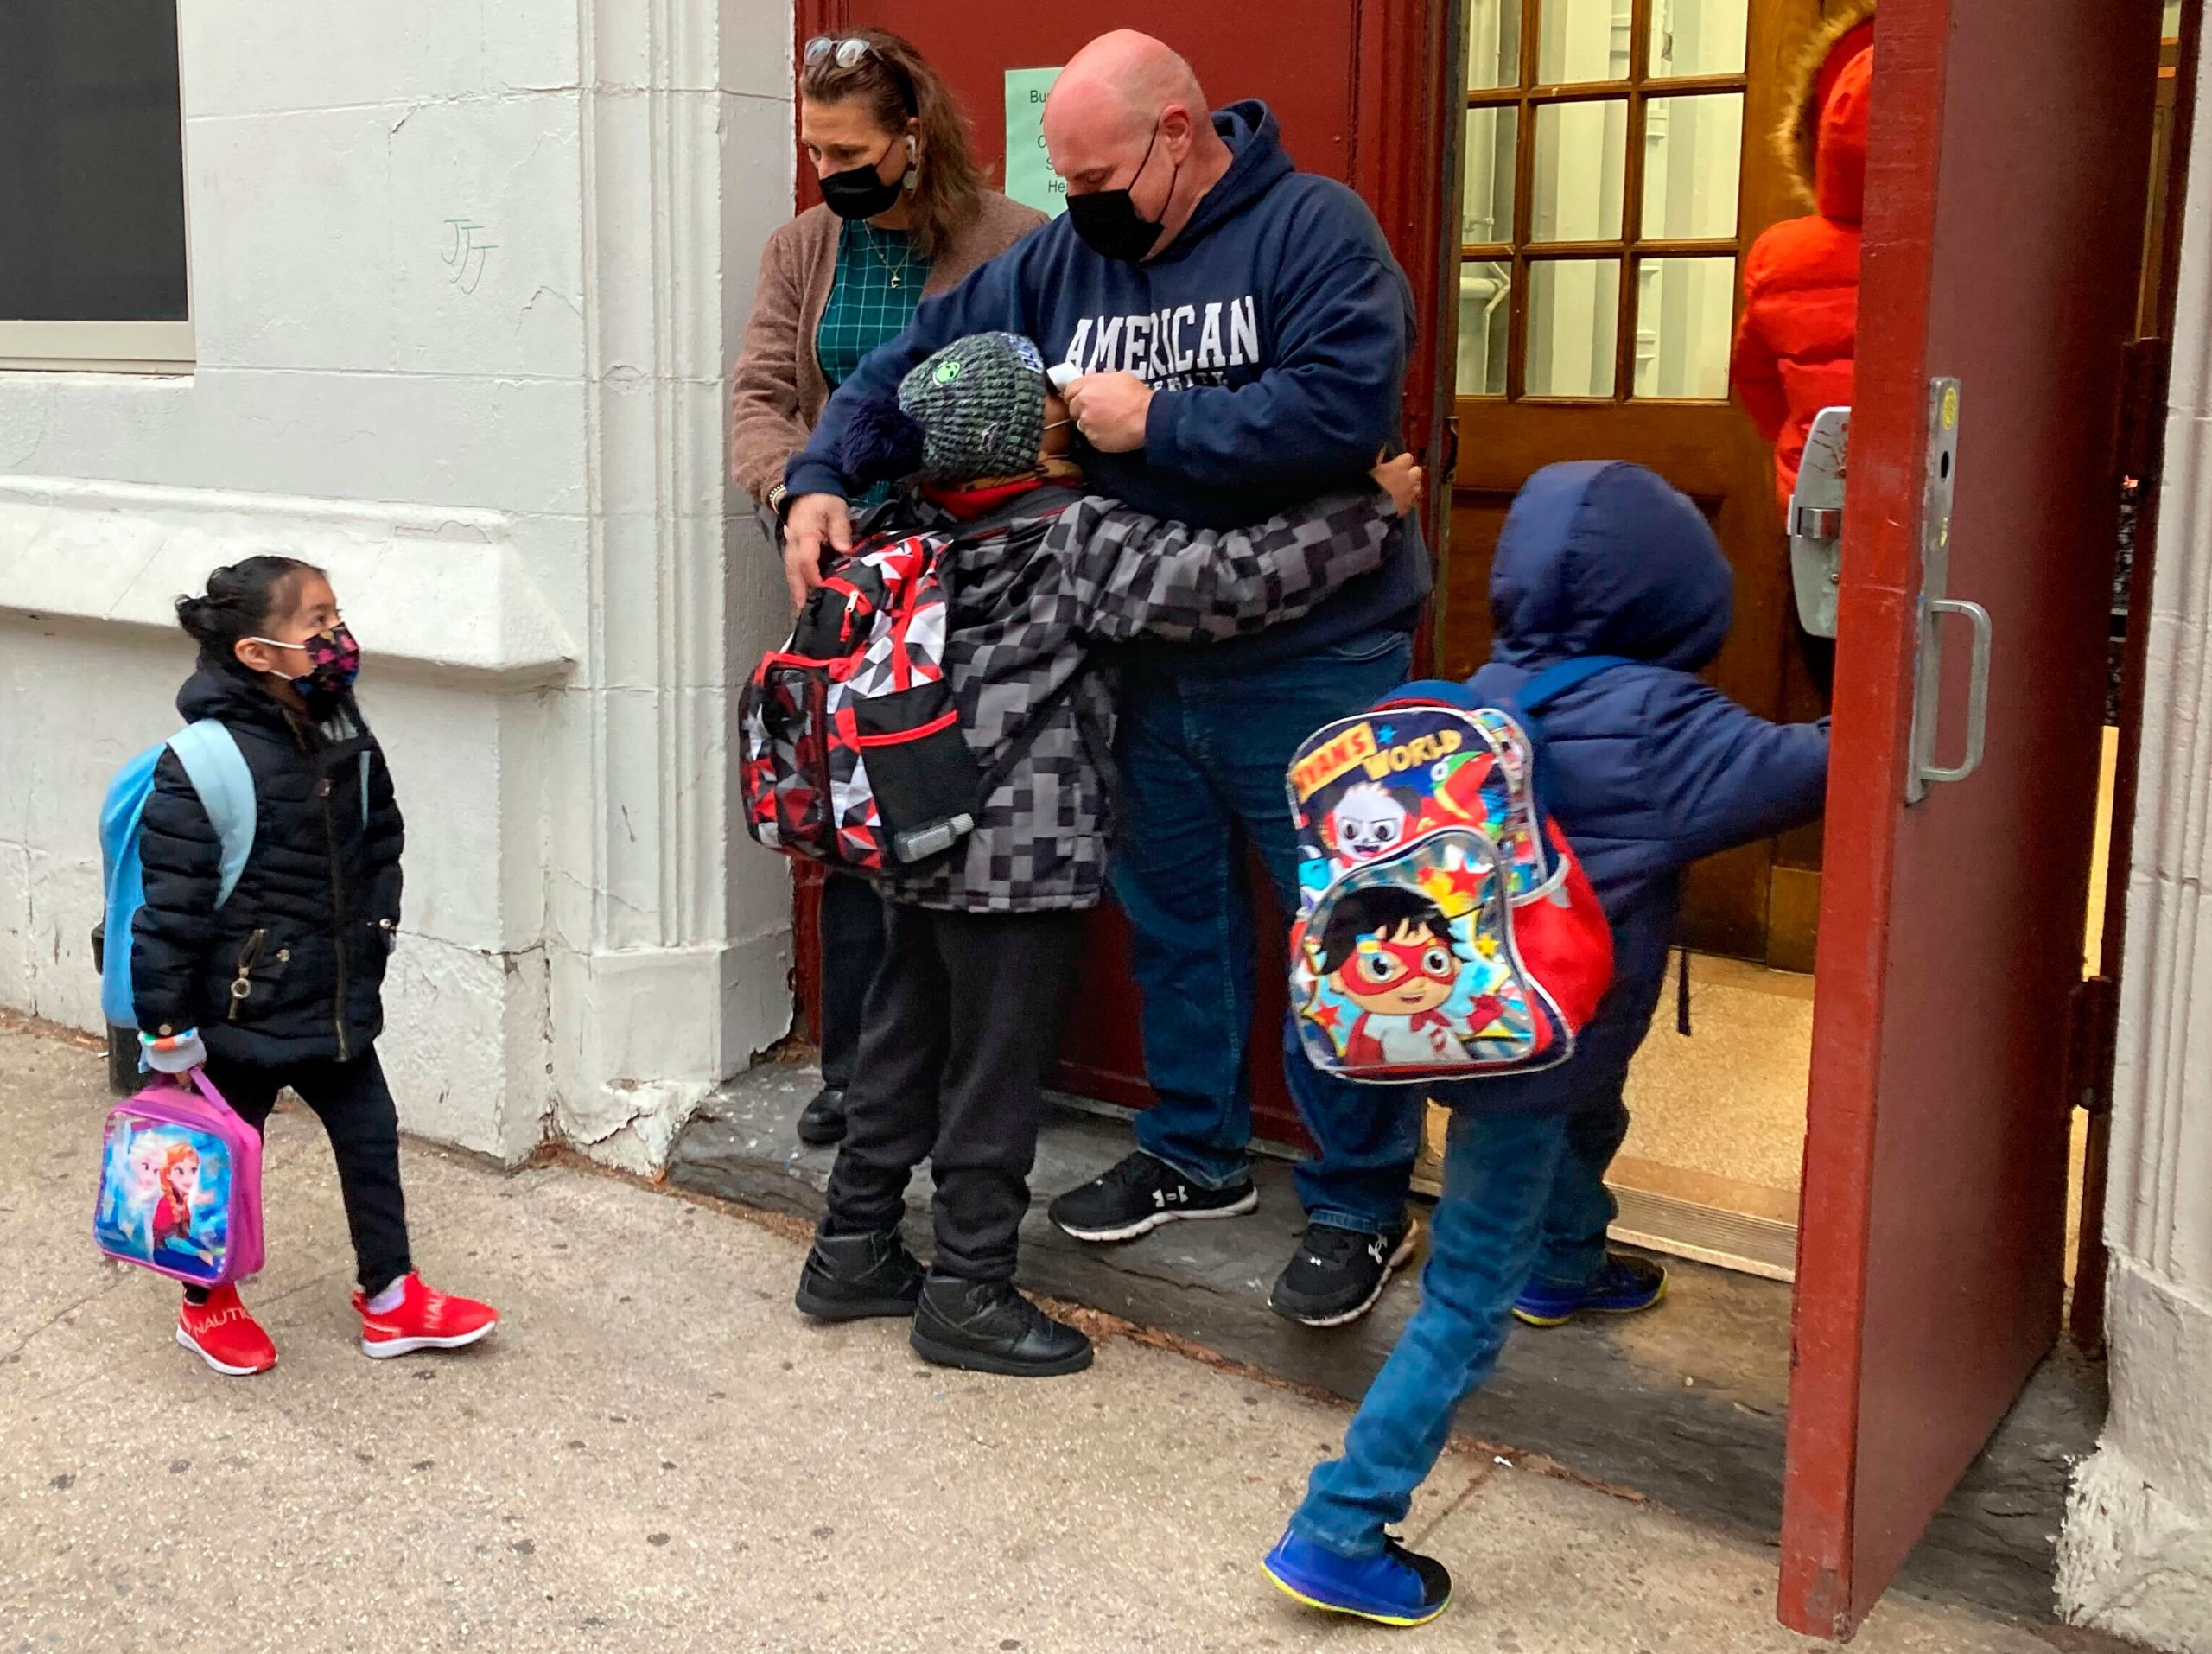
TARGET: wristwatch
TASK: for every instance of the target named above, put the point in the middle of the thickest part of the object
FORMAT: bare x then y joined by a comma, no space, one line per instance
774,502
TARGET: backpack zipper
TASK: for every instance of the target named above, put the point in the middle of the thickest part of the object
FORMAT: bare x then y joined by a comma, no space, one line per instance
818,708
242,985
337,912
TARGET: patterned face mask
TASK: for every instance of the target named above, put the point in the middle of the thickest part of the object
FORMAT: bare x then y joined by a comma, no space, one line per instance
333,661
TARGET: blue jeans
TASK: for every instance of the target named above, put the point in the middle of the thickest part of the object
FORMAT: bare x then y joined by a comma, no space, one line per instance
1582,1208
1517,1188
1201,755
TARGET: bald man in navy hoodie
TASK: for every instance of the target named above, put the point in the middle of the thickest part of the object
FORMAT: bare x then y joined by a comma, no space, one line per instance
1233,334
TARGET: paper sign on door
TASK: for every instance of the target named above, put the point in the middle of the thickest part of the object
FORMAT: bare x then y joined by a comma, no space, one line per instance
1029,176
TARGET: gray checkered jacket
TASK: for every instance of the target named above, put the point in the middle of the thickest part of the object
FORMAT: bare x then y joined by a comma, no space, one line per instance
1036,583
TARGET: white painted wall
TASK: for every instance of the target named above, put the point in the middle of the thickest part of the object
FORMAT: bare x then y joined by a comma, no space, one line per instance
2136,1555
466,278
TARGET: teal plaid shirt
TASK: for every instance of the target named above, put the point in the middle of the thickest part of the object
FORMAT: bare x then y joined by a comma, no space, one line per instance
873,295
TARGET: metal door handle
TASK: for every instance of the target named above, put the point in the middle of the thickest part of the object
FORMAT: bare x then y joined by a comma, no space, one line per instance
1977,691
1938,478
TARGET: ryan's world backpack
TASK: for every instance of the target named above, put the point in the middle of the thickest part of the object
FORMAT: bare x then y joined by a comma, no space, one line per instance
854,754
181,1184
1446,930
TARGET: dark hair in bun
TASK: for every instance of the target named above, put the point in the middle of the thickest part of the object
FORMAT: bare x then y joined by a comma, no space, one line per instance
239,599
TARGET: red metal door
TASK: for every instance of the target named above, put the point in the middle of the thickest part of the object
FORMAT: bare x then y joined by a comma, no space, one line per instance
2004,211
1359,86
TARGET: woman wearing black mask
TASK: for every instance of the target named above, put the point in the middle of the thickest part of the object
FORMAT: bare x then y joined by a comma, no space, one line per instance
904,215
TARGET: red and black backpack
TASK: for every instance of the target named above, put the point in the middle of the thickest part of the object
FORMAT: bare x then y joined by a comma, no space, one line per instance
854,754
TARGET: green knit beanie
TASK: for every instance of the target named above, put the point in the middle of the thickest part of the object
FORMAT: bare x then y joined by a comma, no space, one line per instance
980,402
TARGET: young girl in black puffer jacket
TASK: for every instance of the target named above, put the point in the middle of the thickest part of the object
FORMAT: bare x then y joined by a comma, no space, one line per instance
280,986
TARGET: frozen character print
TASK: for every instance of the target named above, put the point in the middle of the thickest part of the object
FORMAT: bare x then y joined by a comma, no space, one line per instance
1369,821
178,1190
1389,951
141,1191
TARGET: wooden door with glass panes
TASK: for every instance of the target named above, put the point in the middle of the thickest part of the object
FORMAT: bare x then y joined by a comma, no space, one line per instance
1617,163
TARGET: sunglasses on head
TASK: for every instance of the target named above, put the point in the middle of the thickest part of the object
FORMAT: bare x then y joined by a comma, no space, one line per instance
847,52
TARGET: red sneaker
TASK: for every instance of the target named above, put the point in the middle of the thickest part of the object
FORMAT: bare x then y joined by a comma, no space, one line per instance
221,1333
423,1321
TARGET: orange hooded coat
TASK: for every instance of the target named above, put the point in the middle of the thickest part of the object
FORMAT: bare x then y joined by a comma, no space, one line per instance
1800,319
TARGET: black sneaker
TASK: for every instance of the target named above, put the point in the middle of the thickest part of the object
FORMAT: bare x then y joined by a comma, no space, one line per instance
1337,1275
852,1277
822,1122
1140,1194
988,1327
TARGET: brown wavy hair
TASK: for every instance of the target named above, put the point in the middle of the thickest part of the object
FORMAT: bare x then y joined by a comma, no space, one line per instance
895,83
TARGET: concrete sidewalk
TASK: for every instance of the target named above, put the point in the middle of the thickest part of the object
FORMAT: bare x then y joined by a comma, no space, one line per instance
655,1453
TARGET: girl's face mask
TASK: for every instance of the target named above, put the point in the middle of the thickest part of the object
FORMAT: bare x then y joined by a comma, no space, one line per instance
333,661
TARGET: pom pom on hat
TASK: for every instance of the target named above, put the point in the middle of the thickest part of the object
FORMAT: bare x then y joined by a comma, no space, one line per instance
881,444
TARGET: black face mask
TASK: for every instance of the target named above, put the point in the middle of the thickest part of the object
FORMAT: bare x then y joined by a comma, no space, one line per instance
1108,219
860,192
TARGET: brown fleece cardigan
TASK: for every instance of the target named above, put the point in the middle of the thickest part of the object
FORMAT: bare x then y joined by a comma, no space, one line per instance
777,390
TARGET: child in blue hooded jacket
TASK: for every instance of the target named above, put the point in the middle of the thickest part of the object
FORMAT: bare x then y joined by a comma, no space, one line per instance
1650,771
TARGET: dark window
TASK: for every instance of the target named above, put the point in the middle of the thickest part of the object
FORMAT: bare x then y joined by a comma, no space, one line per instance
91,162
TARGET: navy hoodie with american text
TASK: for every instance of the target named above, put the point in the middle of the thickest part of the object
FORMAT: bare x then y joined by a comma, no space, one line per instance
1274,330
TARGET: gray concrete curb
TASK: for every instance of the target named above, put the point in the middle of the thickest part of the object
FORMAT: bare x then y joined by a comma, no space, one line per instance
1685,1407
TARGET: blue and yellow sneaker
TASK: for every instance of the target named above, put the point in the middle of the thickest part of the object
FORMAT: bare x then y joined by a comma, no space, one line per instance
1397,1587
1621,1286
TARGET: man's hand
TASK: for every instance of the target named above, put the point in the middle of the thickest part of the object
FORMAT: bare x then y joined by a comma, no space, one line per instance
1401,479
813,521
1109,409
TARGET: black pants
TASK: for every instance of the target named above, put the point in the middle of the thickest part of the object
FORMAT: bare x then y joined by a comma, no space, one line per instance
962,1022
355,1107
852,916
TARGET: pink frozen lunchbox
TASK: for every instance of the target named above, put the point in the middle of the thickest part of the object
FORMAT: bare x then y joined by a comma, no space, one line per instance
181,1184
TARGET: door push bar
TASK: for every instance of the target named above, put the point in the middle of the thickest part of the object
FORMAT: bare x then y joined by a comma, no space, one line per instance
1942,466
1816,522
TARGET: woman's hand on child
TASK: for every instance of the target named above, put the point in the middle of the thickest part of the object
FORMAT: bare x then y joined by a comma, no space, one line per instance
1401,479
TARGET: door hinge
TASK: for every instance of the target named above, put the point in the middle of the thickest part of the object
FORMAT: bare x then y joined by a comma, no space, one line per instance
2093,1026
1817,521
2144,365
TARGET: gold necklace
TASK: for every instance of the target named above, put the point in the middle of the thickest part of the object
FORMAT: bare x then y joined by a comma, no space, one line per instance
868,233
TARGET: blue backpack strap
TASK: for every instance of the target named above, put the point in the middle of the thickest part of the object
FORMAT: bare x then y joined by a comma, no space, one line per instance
1539,691
217,769
123,880
1562,676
